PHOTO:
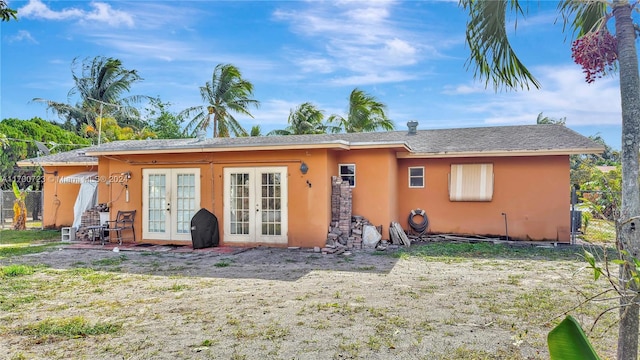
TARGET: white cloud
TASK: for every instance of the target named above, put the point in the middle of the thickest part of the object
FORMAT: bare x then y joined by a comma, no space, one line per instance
272,114
400,49
37,9
101,13
535,22
373,78
316,64
359,37
140,45
23,35
564,93
464,89
165,15
371,15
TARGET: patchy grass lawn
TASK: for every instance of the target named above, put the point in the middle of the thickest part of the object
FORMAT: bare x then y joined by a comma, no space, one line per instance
450,251
16,243
435,301
27,236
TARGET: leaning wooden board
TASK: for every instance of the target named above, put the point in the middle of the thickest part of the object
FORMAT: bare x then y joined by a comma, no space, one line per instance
399,234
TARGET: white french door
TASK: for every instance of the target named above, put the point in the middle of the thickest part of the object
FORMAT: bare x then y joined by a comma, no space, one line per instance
255,205
170,198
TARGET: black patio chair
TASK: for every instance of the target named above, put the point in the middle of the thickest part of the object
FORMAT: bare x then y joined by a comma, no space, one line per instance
124,221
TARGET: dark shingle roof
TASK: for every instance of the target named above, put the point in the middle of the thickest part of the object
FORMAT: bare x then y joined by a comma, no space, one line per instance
73,157
498,139
504,138
479,141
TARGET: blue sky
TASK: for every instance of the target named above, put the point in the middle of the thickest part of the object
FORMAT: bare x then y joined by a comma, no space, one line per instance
409,55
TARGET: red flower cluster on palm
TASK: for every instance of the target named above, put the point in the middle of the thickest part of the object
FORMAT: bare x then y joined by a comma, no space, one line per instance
596,52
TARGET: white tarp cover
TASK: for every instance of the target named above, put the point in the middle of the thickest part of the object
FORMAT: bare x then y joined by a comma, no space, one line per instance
87,198
79,178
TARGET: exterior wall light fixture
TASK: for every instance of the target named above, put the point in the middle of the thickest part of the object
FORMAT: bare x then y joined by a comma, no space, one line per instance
304,168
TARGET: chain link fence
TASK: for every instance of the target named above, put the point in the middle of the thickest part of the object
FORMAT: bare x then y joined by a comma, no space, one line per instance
593,213
599,231
34,209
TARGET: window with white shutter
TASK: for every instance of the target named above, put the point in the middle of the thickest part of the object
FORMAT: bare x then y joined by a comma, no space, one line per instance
471,182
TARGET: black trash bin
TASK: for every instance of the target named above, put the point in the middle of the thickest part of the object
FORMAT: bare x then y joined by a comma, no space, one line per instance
204,230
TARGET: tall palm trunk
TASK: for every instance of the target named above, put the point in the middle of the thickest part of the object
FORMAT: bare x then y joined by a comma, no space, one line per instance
216,133
629,223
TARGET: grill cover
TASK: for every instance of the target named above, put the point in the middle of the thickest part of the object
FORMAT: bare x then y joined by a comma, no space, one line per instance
204,230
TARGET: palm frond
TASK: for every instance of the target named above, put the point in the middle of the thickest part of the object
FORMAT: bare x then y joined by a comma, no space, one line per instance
7,13
226,92
197,115
234,127
365,114
306,119
336,123
491,54
582,16
279,132
99,81
256,130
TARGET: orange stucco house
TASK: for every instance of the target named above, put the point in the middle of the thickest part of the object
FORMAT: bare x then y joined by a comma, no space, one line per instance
276,190
59,195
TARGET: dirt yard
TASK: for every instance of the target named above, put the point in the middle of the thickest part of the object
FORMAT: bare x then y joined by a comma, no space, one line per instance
289,304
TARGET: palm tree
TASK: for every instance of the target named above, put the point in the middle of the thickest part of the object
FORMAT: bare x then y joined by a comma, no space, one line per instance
256,130
365,114
609,157
101,86
543,120
226,92
305,119
7,13
495,61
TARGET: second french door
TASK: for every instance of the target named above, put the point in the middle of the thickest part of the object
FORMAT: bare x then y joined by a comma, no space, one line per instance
255,205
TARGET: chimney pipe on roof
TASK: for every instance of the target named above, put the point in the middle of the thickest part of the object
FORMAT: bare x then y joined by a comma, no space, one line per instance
200,135
413,125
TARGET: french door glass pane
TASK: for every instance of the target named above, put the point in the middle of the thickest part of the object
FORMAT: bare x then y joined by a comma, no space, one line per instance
157,201
185,202
270,190
239,203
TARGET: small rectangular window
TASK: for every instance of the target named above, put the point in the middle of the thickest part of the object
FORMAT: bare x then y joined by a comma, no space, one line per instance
416,177
348,173
471,182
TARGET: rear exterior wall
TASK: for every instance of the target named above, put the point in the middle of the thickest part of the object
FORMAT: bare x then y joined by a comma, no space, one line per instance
308,196
533,192
375,190
59,199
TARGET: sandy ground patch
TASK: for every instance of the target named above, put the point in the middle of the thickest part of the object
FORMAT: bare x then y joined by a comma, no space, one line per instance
291,304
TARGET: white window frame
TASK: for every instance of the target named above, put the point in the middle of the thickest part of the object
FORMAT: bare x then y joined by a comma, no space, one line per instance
342,176
421,177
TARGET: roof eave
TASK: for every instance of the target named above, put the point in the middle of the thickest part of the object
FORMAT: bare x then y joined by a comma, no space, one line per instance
501,153
336,145
202,149
380,145
56,163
